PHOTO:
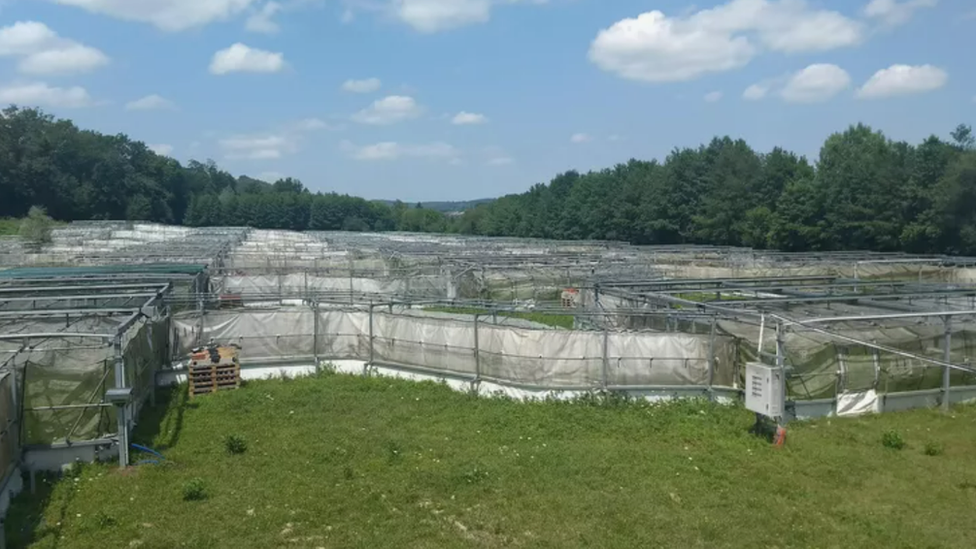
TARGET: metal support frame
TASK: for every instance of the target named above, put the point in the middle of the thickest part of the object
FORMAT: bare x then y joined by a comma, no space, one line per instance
781,364
711,356
200,311
477,352
314,306
605,365
947,357
371,337
122,410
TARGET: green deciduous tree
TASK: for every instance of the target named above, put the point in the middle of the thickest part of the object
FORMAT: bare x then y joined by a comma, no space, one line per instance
865,192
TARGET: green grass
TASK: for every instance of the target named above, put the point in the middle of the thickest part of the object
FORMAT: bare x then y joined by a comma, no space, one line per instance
344,461
9,226
549,319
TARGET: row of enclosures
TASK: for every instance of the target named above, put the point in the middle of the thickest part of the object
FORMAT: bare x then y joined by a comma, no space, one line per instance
489,349
710,353
52,388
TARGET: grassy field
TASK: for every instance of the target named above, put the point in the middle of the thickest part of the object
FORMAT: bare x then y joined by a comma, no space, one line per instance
343,461
9,226
549,319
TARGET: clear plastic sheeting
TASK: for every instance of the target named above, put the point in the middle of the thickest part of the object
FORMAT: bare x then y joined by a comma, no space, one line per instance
508,353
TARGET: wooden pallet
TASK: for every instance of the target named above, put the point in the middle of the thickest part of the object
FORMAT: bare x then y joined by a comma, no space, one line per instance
206,376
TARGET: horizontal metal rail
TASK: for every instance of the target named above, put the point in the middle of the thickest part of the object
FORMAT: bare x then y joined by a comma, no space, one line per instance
65,289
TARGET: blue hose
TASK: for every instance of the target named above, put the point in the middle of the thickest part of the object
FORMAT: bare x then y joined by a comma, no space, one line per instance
142,448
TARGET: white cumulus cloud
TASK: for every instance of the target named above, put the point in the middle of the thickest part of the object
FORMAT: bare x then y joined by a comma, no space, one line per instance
256,147
816,83
42,52
389,110
580,138
654,47
430,16
755,92
150,103
74,58
712,97
392,150
468,118
903,80
168,15
43,95
438,15
367,85
162,149
26,37
896,12
500,161
242,58
262,21
272,144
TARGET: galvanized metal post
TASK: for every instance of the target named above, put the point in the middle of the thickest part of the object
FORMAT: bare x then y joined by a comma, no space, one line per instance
781,364
762,334
315,331
876,359
947,357
477,354
605,369
711,358
200,311
121,411
371,351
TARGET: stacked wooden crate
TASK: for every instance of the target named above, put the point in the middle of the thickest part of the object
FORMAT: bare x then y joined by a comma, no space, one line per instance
214,369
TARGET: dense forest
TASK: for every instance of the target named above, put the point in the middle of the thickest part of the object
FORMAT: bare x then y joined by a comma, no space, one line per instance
864,192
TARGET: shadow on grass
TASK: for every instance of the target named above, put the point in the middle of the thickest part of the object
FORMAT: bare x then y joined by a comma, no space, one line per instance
166,418
764,428
25,523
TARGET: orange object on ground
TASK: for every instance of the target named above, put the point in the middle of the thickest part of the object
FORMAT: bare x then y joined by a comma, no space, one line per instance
780,439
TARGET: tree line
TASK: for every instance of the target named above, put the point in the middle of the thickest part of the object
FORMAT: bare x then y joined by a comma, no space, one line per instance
75,174
864,192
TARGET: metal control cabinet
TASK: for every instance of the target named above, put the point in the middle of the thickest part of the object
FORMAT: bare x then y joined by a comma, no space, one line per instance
765,389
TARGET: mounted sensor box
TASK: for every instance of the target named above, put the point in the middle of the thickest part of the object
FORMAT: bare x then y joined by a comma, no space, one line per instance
764,389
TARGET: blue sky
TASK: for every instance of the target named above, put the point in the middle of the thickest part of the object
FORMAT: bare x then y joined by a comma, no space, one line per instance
462,99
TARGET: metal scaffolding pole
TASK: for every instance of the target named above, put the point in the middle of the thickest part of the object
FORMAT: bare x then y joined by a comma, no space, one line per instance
781,364
371,348
477,354
121,411
947,357
711,357
605,366
315,331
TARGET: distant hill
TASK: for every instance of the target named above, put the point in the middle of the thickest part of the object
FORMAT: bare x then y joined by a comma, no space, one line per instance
447,207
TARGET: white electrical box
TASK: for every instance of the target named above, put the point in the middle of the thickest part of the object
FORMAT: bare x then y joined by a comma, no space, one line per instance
764,389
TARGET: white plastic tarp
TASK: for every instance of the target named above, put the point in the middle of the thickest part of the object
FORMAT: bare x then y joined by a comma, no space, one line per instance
543,358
